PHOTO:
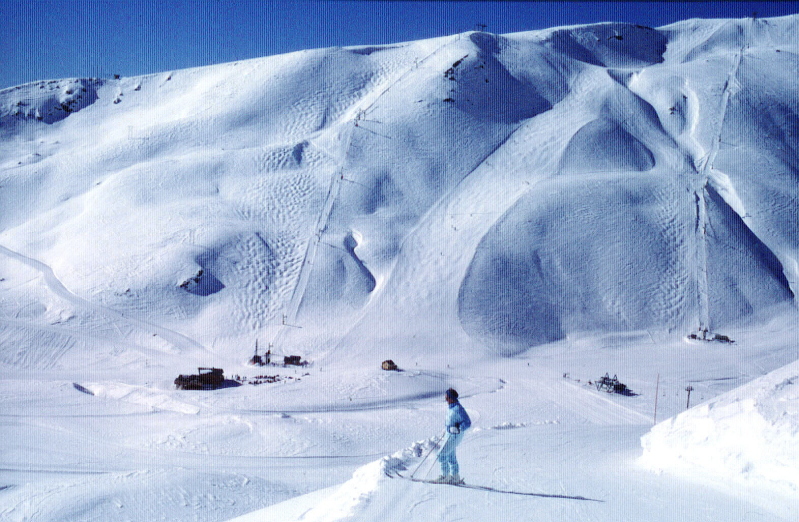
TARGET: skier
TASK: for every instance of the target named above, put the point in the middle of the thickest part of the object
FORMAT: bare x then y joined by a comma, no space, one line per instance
457,423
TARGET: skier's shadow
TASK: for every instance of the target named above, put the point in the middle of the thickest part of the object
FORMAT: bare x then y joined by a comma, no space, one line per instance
507,492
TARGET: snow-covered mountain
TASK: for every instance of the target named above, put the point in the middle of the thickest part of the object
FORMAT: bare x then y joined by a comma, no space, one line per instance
574,201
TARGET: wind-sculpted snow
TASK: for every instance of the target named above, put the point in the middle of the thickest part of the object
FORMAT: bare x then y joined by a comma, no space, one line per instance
527,284
482,85
604,146
759,152
730,36
743,274
610,45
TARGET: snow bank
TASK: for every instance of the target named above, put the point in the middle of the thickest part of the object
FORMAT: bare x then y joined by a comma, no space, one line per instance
344,502
347,500
748,436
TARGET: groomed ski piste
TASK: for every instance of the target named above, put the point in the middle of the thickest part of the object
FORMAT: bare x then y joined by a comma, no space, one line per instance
514,216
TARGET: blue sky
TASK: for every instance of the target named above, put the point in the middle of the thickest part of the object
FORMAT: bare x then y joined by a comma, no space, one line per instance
47,39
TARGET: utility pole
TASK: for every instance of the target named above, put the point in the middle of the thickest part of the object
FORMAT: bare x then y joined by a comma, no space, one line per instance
689,389
657,389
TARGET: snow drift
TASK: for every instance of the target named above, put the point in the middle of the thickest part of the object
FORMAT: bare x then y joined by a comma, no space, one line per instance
748,436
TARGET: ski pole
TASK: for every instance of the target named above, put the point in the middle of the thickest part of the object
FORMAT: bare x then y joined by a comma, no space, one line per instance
433,463
432,447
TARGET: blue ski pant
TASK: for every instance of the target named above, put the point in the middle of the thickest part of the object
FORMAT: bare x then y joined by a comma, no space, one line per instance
449,463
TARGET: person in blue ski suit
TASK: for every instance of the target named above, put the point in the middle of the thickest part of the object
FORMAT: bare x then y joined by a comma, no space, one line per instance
457,423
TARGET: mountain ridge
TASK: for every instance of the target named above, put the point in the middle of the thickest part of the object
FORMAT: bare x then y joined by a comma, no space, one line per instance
364,149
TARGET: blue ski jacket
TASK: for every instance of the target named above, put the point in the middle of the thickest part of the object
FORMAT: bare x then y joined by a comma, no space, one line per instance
457,417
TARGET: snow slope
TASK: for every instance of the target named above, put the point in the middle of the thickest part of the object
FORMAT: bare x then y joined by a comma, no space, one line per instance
513,215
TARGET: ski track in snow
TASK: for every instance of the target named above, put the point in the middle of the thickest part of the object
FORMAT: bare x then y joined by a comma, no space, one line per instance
179,341
592,406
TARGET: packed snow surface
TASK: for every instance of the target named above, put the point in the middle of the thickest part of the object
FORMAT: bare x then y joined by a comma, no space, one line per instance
514,216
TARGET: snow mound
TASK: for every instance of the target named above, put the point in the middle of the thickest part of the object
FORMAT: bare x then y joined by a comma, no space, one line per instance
613,150
748,435
344,502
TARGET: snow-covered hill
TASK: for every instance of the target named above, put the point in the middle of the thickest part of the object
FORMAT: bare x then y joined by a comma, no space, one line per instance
512,215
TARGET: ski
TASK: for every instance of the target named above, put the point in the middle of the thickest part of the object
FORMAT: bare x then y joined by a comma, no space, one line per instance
495,490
